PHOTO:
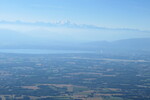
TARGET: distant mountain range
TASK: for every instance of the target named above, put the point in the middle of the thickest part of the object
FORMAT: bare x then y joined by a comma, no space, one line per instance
23,41
136,43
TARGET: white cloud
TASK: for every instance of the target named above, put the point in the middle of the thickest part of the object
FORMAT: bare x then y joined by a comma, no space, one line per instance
70,30
63,23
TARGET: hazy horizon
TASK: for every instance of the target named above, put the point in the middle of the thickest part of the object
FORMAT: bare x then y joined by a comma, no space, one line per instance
73,21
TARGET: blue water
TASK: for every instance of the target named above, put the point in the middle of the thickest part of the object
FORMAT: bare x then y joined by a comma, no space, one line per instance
40,51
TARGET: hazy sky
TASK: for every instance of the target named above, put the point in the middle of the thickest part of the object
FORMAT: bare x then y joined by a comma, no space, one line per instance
78,20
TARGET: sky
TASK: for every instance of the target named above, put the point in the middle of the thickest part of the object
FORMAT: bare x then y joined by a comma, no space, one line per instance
76,20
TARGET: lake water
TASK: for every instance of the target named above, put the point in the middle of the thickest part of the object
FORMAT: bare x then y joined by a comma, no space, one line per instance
41,51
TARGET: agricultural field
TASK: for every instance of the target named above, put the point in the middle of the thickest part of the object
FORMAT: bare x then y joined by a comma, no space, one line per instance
73,77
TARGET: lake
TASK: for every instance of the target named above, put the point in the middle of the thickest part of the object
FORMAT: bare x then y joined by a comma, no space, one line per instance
41,51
